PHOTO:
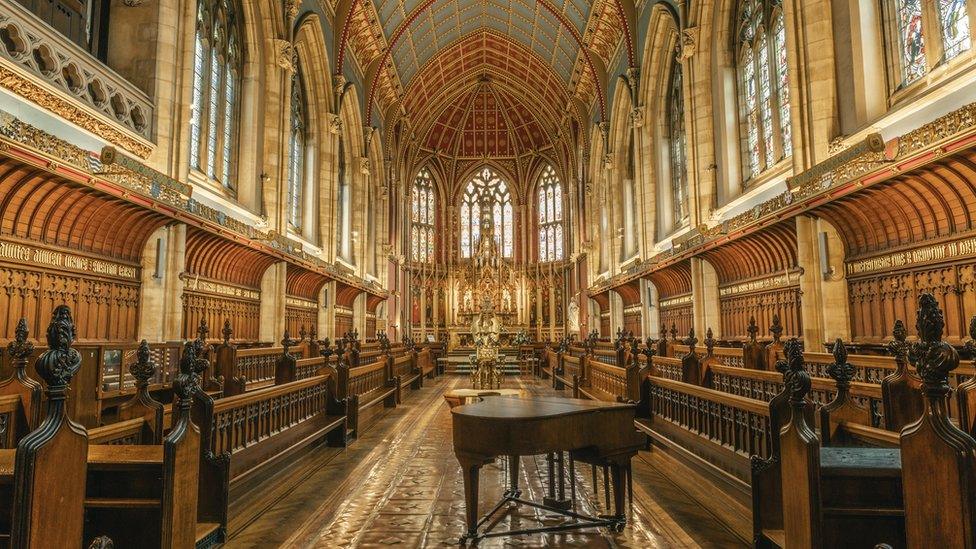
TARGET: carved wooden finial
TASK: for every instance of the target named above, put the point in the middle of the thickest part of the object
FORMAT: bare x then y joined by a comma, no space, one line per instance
691,341
898,347
798,384
934,358
313,333
325,349
648,350
634,346
187,381
302,333
60,362
203,330
709,342
793,350
841,371
776,329
664,334
288,342
20,349
753,329
143,368
227,332
674,332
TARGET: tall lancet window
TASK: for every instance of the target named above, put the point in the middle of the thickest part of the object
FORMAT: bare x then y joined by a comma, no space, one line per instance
550,216
343,208
218,59
423,215
914,47
676,146
764,92
297,151
487,189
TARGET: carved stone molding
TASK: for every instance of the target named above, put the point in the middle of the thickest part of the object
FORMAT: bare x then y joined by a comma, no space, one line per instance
364,166
637,117
335,124
89,94
608,161
291,9
284,54
687,44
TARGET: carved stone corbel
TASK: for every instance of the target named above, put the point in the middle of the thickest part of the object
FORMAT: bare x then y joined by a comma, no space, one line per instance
637,117
687,44
608,161
364,165
335,124
284,54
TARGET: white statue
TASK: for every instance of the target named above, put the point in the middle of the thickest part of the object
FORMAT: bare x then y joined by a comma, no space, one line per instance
574,317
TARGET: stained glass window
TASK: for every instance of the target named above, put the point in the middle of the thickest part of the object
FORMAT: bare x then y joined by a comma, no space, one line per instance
424,216
297,151
764,86
550,216
955,27
910,39
489,188
215,99
676,145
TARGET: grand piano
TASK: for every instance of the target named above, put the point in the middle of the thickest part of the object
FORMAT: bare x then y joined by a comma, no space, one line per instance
597,433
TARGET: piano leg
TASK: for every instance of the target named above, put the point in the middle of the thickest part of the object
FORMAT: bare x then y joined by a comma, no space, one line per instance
470,472
617,475
513,473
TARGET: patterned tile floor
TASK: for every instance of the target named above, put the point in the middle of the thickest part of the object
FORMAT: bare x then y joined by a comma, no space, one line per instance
400,486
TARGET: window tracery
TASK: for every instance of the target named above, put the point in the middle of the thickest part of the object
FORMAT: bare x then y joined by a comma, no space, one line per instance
422,217
550,216
215,102
487,183
676,146
763,85
297,151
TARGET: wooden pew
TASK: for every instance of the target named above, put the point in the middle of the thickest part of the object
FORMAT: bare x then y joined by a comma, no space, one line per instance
142,405
404,370
901,390
363,388
836,496
938,458
42,482
246,369
146,495
754,354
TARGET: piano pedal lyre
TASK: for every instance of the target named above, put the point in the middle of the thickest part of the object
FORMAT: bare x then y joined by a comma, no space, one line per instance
557,483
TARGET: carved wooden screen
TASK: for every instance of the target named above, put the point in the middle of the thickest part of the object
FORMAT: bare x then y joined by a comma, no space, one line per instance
911,234
65,244
673,284
222,282
299,316
630,297
758,278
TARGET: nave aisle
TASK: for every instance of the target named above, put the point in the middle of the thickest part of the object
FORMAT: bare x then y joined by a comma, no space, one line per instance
400,486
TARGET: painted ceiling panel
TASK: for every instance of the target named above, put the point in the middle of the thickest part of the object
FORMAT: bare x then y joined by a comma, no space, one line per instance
447,21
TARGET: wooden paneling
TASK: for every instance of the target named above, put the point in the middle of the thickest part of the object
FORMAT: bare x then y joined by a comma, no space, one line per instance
298,319
244,314
758,277
681,316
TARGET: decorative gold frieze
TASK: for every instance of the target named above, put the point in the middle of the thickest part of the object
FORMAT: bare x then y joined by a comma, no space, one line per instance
32,255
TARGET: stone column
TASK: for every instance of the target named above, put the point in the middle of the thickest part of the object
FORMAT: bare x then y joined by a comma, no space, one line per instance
705,298
161,298
825,311
273,303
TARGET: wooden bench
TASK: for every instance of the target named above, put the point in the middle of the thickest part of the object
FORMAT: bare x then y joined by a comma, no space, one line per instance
365,387
248,369
404,370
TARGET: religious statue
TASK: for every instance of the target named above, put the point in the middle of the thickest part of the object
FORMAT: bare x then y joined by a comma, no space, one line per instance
574,317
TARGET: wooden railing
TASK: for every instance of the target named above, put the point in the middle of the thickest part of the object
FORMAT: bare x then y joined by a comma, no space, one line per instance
609,383
244,420
734,422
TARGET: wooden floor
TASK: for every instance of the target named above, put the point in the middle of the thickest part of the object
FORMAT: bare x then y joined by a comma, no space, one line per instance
400,486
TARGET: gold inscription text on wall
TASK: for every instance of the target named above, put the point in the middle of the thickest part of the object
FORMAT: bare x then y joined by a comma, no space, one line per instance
778,281
937,252
299,302
61,260
675,301
195,284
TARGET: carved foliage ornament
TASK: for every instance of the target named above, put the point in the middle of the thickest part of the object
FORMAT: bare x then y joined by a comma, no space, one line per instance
143,368
60,362
935,358
687,44
284,54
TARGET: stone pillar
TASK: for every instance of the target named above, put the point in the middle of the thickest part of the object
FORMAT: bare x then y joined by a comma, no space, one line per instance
161,298
650,313
705,298
825,311
327,310
273,303
359,313
616,313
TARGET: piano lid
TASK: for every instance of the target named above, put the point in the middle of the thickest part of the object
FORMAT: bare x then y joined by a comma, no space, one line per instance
513,407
